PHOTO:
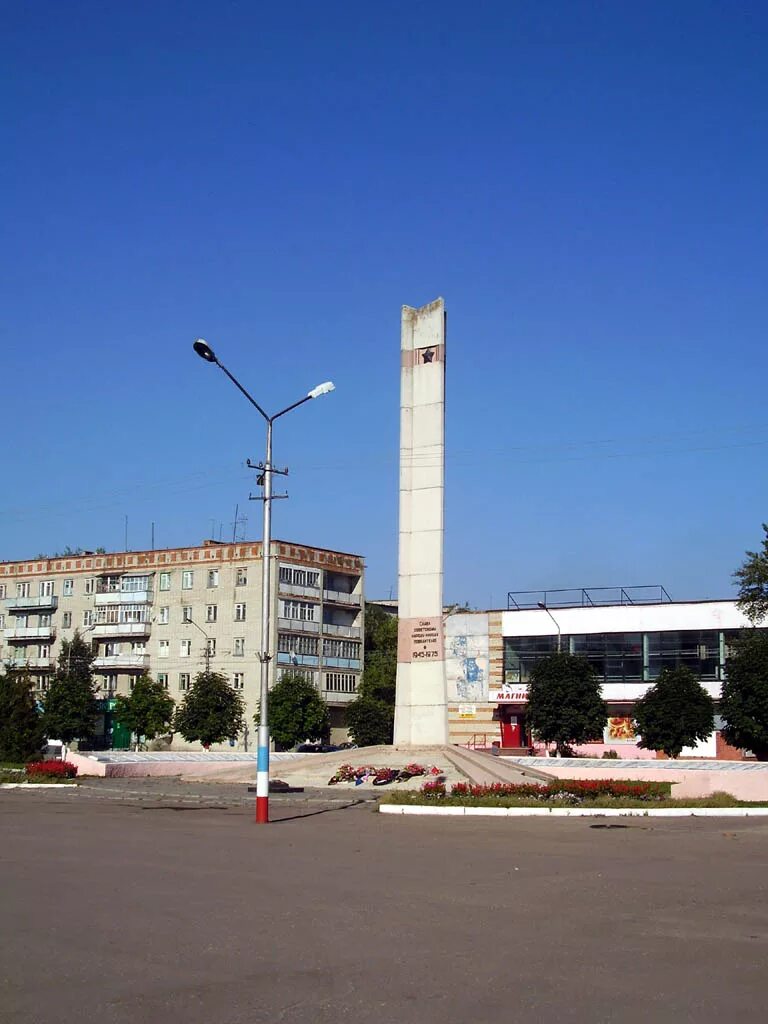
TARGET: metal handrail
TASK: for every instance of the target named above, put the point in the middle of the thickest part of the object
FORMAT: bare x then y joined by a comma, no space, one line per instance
587,597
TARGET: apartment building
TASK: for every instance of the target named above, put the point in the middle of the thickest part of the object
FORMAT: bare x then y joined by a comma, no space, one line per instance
171,612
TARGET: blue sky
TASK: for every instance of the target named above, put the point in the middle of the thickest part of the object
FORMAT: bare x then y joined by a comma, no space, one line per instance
584,183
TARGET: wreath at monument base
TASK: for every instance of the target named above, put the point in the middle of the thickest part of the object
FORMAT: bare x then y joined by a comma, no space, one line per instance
380,776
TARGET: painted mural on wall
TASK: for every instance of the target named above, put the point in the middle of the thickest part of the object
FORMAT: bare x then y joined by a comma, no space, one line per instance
466,657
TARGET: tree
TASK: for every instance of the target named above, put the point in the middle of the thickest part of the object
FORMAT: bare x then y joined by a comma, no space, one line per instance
211,712
564,702
752,578
744,695
147,711
297,711
21,728
370,721
70,703
675,712
380,667
370,717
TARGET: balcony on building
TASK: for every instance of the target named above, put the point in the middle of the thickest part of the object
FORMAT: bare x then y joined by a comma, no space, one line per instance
348,663
121,662
37,664
308,660
341,629
342,621
343,589
30,633
298,589
122,629
32,604
298,625
123,590
343,693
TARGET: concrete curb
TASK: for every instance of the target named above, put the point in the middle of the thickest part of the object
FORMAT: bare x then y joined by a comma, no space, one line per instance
36,785
575,812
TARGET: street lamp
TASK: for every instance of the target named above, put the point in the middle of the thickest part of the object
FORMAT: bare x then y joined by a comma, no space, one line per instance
203,349
543,606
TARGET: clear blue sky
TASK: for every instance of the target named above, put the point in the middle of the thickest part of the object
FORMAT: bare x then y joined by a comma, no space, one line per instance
584,183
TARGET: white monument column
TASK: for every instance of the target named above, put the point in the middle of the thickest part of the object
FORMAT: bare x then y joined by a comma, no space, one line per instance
421,706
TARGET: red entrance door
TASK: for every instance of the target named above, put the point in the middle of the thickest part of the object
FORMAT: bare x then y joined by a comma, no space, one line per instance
511,731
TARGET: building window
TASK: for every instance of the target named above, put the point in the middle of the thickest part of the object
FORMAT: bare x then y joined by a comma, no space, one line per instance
183,680
22,590
90,585
2,591
241,578
131,684
66,620
139,647
88,617
186,613
111,649
340,682
302,610
165,581
238,649
185,648
213,577
46,588
238,681
134,584
211,612
2,620
164,649
133,613
163,615
239,613
69,588
44,651
187,579
162,678
210,647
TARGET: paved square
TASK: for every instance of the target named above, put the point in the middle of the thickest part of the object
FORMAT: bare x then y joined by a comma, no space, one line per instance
166,908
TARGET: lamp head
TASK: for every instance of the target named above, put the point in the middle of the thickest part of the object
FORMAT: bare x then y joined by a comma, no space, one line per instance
204,350
322,389
541,605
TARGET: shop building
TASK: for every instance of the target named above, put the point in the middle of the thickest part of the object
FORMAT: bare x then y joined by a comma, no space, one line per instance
174,611
628,635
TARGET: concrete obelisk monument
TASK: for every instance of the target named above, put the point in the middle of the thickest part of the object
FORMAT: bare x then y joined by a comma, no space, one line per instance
421,707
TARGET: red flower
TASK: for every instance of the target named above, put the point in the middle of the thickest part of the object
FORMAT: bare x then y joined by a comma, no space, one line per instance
51,769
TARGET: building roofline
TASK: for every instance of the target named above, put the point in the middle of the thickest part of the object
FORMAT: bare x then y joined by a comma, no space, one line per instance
158,551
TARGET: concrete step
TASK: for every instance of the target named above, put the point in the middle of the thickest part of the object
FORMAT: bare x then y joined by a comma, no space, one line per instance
485,769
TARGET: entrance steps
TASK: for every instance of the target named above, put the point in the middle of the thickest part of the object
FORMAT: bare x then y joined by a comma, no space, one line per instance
485,769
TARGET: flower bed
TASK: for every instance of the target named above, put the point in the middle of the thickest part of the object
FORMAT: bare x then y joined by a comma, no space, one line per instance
50,771
558,793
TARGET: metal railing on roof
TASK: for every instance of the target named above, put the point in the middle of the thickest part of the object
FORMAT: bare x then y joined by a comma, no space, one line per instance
585,597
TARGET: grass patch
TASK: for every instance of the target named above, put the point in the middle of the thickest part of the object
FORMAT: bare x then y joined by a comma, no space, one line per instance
719,799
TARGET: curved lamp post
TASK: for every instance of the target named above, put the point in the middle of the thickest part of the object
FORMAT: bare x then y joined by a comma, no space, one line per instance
203,349
544,608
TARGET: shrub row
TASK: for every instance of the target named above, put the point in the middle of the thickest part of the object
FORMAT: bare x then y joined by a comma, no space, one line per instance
577,790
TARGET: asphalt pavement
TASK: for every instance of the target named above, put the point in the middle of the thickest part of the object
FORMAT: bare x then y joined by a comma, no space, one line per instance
164,903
